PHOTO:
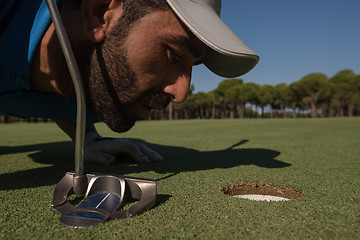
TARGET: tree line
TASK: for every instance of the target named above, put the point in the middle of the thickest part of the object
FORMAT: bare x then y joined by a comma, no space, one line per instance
314,95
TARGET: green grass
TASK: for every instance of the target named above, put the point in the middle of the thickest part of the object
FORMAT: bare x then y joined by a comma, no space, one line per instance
319,157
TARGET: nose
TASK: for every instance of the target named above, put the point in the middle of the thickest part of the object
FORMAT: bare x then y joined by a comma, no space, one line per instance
179,87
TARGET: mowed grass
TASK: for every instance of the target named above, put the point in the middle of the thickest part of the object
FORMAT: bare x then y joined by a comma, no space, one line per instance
320,157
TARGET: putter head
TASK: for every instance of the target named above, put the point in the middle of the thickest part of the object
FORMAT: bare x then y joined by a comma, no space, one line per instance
104,197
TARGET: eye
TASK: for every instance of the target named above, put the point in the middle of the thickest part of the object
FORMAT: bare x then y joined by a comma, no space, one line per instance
173,57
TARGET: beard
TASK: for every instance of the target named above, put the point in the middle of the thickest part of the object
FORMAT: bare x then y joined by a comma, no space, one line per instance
110,85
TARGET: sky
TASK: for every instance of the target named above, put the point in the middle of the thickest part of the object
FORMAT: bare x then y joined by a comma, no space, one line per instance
292,38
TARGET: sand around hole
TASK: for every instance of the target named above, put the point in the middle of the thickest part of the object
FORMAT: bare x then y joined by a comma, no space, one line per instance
258,188
267,198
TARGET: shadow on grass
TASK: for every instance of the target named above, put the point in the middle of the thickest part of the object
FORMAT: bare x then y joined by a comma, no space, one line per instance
59,155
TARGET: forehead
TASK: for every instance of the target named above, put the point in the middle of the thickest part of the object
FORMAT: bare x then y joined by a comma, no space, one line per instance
166,26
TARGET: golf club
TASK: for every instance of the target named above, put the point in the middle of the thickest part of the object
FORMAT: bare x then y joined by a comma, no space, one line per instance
105,194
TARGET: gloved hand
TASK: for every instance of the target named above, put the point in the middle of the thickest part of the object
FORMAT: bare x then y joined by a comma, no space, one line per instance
105,150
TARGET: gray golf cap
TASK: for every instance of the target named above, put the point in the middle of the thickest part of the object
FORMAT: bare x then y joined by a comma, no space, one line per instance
227,56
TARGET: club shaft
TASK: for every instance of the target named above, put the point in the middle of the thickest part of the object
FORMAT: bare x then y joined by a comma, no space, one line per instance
79,89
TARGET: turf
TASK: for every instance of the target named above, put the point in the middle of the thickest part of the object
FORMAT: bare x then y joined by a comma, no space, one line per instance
317,156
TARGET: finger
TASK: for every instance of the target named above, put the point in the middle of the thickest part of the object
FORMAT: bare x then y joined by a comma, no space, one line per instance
154,156
99,157
126,147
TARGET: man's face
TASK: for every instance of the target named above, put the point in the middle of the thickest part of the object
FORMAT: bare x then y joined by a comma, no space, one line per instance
144,69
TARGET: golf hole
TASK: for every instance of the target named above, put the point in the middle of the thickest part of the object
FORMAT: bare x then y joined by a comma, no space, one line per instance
259,191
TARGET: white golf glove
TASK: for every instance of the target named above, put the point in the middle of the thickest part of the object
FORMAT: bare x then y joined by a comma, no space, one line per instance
105,150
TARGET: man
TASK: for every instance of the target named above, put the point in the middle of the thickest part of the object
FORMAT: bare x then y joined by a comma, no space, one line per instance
133,55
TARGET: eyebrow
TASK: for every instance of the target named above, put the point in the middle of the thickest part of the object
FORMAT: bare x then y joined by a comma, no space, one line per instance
188,44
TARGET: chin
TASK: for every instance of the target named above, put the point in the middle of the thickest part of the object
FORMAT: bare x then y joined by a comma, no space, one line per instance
120,126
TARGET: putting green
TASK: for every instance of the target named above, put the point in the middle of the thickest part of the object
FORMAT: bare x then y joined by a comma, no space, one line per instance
318,157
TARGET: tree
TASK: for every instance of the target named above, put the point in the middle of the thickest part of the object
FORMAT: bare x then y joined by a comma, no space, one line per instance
357,97
282,97
314,87
254,101
171,109
220,91
246,94
265,96
201,104
230,98
345,92
295,97
214,102
228,83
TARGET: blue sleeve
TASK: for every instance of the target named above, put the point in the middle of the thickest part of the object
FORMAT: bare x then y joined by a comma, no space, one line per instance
18,20
22,26
26,104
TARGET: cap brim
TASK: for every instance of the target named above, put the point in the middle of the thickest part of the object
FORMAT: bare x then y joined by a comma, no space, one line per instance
228,56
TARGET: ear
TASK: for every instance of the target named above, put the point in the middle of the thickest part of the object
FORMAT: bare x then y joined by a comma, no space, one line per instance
98,16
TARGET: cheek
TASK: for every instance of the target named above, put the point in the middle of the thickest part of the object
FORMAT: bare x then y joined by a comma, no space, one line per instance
149,65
